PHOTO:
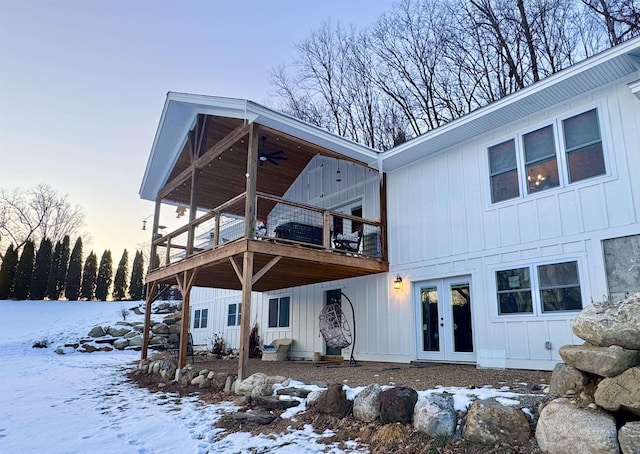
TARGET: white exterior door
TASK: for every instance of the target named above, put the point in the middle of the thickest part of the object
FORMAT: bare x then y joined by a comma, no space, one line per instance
444,321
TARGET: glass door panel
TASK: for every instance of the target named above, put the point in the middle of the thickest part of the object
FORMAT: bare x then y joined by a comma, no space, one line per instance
430,334
461,313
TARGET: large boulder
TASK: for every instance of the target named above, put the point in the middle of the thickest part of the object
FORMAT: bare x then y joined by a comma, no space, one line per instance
397,404
118,331
565,378
262,390
488,421
608,323
565,427
97,331
604,361
333,401
366,405
620,392
435,415
135,341
247,385
121,344
629,438
160,328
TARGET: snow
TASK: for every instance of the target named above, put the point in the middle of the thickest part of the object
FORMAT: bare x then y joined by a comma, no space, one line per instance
81,402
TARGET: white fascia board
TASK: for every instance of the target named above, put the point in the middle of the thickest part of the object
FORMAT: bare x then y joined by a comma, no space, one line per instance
630,48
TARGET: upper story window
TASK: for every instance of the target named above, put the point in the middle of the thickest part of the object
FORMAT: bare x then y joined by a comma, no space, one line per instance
540,159
200,318
583,145
504,171
530,163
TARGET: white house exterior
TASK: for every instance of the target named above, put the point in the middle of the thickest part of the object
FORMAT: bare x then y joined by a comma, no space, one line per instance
501,225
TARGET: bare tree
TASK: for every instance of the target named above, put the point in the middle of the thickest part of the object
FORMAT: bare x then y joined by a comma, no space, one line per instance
37,213
621,18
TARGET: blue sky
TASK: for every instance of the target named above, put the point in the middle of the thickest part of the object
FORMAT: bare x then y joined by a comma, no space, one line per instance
83,83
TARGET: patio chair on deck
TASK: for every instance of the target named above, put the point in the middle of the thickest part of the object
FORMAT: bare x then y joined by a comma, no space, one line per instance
349,242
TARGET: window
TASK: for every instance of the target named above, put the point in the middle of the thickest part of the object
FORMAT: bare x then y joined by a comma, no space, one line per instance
279,312
583,146
234,314
529,162
200,318
514,291
557,286
504,171
540,159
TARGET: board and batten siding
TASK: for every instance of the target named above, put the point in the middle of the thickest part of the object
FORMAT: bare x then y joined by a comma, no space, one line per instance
441,223
217,302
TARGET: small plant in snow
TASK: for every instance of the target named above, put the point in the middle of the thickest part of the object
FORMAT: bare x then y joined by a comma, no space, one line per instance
42,343
124,313
218,344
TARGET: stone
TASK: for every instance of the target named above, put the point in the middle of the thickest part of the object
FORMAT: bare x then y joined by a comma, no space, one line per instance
59,351
229,384
262,390
160,328
97,331
275,379
135,341
247,385
319,384
131,334
204,372
88,348
603,361
205,383
397,404
198,379
312,398
565,427
565,378
621,392
334,402
294,392
610,323
118,332
629,438
174,329
156,367
435,415
121,344
218,380
157,340
274,402
488,421
254,417
366,405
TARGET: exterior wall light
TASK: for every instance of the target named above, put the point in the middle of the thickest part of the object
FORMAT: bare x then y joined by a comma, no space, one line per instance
397,283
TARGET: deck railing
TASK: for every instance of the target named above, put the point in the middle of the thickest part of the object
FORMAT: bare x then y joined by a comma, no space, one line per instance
278,220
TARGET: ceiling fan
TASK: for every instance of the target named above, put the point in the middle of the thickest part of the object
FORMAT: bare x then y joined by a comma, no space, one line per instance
272,157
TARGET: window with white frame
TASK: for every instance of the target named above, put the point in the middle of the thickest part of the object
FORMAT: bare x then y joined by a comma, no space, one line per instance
530,162
200,318
234,314
279,312
538,289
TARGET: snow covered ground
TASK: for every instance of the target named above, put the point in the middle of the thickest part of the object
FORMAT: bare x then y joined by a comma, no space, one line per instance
80,402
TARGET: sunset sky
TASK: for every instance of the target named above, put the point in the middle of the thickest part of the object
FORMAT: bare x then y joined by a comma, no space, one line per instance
83,83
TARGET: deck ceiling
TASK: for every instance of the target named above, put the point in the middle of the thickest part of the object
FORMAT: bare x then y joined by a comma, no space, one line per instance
224,177
296,266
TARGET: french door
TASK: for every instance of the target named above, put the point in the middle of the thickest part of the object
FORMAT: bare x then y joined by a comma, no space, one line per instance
443,314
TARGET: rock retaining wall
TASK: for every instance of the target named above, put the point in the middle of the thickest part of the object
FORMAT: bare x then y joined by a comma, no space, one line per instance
598,385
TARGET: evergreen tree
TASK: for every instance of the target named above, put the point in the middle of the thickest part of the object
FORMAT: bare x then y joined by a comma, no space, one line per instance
103,281
24,271
51,291
8,272
120,280
40,275
63,266
136,287
74,274
89,275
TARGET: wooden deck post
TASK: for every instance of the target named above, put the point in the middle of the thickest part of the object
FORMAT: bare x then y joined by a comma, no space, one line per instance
185,282
147,319
245,318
